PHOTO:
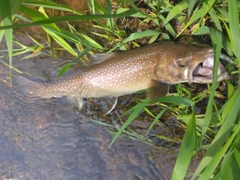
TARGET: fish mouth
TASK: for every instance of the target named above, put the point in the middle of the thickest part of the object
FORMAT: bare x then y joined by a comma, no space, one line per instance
203,72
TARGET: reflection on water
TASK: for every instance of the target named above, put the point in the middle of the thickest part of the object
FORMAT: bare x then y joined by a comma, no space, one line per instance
51,139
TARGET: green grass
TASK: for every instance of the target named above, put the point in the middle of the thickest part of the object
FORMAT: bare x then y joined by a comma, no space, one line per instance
216,19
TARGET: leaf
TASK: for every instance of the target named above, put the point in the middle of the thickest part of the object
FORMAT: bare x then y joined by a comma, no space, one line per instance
226,168
156,119
191,4
51,29
15,5
127,12
68,65
186,150
64,69
176,10
202,30
222,137
136,110
109,10
92,42
48,4
227,108
236,161
175,100
167,26
217,156
139,107
234,26
217,42
91,6
6,16
215,19
138,10
197,14
230,90
138,35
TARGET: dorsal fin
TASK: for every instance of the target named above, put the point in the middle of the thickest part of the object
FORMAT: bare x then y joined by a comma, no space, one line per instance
98,58
157,90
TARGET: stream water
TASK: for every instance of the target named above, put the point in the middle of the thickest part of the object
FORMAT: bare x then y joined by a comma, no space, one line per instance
51,139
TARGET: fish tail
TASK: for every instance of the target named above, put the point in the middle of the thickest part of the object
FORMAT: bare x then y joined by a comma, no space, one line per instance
27,86
58,88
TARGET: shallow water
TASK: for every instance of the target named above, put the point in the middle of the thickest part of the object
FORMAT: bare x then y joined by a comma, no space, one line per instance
51,139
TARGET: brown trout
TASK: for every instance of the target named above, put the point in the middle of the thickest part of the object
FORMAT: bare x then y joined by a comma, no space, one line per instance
153,67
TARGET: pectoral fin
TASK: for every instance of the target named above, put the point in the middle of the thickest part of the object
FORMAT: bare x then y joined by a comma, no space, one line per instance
77,100
157,90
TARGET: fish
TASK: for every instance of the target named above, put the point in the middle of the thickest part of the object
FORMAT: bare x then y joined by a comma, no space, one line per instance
154,67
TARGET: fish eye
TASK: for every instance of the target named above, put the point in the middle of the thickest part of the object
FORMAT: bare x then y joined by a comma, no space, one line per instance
211,52
181,62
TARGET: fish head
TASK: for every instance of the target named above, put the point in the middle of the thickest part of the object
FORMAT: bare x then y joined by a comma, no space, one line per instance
188,63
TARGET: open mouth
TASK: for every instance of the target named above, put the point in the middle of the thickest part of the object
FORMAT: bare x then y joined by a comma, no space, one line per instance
203,73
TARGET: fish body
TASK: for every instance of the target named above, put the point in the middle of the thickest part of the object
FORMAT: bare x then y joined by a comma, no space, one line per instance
152,67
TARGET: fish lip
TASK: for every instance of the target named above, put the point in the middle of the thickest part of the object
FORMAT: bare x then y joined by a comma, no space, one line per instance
203,72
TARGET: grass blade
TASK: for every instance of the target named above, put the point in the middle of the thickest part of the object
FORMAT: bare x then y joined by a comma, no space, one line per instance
234,26
133,115
91,6
156,119
176,10
217,41
138,10
109,10
222,135
237,156
51,29
127,12
68,65
6,16
140,106
216,158
226,169
191,4
48,4
186,150
138,35
177,100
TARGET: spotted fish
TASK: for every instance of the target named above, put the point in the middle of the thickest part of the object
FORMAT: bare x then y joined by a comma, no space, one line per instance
154,67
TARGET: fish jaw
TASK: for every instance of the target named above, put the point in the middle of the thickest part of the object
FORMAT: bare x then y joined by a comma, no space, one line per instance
203,72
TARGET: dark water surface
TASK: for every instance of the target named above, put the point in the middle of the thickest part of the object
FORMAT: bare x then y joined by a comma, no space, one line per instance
51,139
